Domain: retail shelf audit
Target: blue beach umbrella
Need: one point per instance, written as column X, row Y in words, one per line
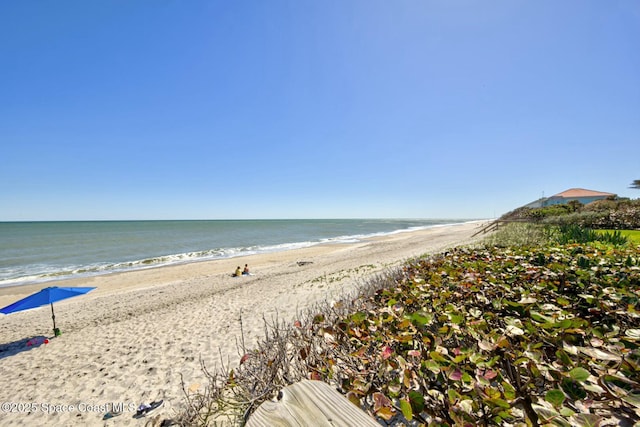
column 44, row 297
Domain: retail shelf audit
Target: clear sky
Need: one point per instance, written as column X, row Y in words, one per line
column 166, row 109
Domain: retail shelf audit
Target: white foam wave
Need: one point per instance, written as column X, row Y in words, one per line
column 45, row 273
column 39, row 274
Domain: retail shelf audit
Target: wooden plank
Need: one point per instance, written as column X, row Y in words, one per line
column 309, row 403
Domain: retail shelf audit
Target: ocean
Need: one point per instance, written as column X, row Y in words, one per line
column 33, row 252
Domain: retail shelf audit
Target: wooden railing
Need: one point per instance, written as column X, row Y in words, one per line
column 494, row 225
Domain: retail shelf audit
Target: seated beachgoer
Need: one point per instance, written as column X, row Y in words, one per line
column 238, row 272
column 245, row 272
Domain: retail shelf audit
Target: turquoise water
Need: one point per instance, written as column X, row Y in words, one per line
column 42, row 251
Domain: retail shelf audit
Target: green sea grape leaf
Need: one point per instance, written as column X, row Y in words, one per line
column 538, row 317
column 421, row 318
column 509, row 390
column 498, row 402
column 459, row 358
column 564, row 357
column 417, row 401
column 407, row 411
column 513, row 304
column 437, row 356
column 456, row 319
column 555, row 397
column 564, row 324
column 579, row 374
column 453, row 395
column 359, row 317
column 433, row 366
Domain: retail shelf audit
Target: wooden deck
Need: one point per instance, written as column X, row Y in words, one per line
column 310, row 403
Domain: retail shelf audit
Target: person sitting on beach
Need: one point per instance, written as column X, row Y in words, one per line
column 238, row 272
column 245, row 272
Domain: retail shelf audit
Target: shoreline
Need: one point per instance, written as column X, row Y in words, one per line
column 133, row 338
column 97, row 269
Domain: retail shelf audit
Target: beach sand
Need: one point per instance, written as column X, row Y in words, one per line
column 132, row 339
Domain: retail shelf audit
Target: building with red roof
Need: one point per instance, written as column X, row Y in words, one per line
column 579, row 194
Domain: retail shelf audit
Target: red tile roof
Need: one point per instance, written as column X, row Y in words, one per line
column 581, row 192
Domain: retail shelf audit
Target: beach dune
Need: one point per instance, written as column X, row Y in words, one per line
column 139, row 334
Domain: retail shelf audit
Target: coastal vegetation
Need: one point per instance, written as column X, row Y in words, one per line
column 538, row 325
column 615, row 214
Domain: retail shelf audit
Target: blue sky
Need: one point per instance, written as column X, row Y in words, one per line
column 313, row 109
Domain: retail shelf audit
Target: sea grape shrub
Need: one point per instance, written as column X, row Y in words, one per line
column 498, row 337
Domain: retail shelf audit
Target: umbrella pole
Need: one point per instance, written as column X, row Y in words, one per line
column 56, row 331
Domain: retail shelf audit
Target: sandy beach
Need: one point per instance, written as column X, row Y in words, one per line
column 131, row 340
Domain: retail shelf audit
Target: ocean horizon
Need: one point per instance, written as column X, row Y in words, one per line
column 43, row 251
